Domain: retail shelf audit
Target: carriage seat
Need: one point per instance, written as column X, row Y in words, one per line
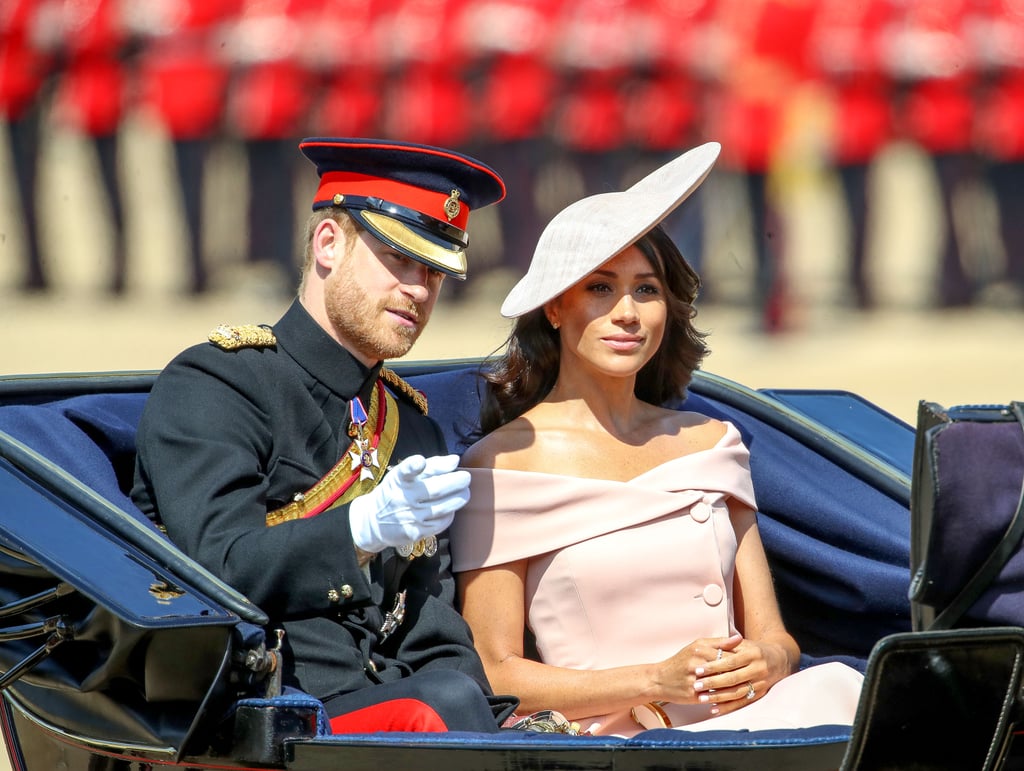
column 835, row 543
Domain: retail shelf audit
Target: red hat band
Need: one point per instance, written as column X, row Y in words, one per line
column 444, row 207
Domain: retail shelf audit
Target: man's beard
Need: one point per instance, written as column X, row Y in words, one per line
column 364, row 324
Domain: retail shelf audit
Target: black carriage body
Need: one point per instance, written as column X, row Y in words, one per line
column 120, row 652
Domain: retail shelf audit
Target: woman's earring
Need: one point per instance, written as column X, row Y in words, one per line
column 554, row 325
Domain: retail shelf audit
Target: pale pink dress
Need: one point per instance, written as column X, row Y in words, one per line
column 630, row 572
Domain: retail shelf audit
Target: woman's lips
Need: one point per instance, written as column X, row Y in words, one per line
column 623, row 342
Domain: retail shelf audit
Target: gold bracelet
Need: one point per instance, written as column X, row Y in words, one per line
column 659, row 715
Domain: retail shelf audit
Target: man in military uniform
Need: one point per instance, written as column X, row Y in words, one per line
column 289, row 462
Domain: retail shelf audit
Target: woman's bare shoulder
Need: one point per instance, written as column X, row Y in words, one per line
column 499, row 448
column 693, row 431
column 687, row 420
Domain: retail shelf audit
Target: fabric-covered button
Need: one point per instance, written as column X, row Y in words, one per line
column 713, row 594
column 700, row 511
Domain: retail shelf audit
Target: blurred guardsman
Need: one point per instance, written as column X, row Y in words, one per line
column 510, row 43
column 997, row 38
column 767, row 82
column 91, row 98
column 292, row 464
column 849, row 46
column 25, row 66
column 269, row 100
column 183, row 84
column 936, row 73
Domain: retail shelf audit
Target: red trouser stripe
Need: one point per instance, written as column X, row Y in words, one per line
column 394, row 715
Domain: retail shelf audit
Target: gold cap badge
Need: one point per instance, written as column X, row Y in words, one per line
column 452, row 207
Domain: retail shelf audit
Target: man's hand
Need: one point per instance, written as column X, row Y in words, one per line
column 417, row 498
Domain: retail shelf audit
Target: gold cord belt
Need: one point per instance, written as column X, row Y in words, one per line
column 347, row 479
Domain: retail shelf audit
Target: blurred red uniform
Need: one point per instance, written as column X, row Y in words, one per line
column 343, row 50
column 428, row 99
column 25, row 64
column 183, row 73
column 93, row 43
column 930, row 53
column 768, row 62
column 850, row 45
column 997, row 37
column 183, row 83
column 269, row 105
column 665, row 101
column 595, row 49
column 25, row 61
column 92, row 94
column 508, row 44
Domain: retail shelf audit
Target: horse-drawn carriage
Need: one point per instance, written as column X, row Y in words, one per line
column 117, row 651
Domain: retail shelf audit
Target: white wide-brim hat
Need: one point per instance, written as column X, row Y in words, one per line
column 588, row 233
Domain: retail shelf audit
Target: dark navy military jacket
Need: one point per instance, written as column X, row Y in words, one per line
column 228, row 436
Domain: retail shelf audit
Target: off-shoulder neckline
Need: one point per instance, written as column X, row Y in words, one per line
column 731, row 433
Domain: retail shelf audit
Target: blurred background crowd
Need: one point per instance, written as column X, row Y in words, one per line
column 563, row 98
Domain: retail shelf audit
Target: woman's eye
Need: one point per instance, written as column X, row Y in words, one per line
column 599, row 287
column 649, row 289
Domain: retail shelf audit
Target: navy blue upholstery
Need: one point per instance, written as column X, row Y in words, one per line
column 839, row 548
column 659, row 737
column 91, row 437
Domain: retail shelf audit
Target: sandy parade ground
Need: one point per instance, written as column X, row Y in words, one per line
column 895, row 355
column 893, row 358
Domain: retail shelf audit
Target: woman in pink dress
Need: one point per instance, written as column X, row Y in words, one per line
column 618, row 535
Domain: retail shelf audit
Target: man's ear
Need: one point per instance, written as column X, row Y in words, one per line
column 327, row 244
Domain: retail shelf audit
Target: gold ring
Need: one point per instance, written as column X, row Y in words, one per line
column 750, row 691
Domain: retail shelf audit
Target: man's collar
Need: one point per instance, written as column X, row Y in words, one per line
column 321, row 355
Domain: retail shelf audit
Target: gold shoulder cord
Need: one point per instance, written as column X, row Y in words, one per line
column 231, row 338
column 392, row 378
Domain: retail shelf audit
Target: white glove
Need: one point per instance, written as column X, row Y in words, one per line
column 416, row 499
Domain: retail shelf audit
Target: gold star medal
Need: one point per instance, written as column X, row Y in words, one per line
column 363, row 456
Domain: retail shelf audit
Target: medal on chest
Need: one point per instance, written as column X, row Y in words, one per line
column 364, row 457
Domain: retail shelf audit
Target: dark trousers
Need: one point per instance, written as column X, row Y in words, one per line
column 24, row 137
column 272, row 204
column 1007, row 180
column 854, row 179
column 190, row 159
column 106, row 153
column 521, row 220
column 769, row 287
column 955, row 284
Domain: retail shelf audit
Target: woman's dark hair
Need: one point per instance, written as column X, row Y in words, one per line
column 525, row 373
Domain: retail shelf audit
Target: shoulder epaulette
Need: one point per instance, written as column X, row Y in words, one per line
column 402, row 388
column 232, row 337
